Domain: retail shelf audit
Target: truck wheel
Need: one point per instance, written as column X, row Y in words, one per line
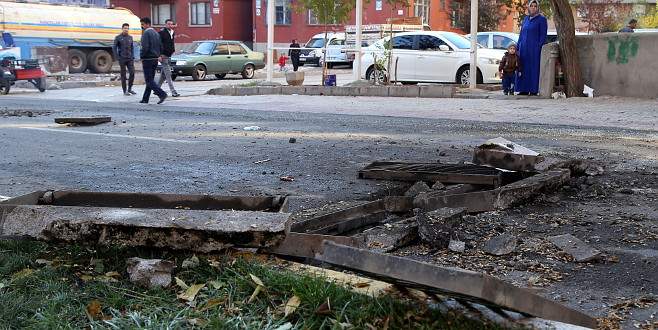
column 77, row 61
column 100, row 61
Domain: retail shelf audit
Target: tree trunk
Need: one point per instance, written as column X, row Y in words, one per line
column 563, row 17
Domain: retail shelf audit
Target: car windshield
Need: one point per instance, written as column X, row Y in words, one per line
column 315, row 43
column 202, row 48
column 457, row 40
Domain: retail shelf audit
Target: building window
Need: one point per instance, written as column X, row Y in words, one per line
column 422, row 10
column 313, row 19
column 162, row 12
column 200, row 13
column 283, row 11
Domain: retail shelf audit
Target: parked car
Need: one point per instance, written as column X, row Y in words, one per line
column 335, row 53
column 496, row 40
column 431, row 56
column 312, row 56
column 551, row 36
column 218, row 57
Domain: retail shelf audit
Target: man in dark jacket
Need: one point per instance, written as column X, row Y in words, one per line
column 294, row 54
column 168, row 48
column 123, row 52
column 150, row 53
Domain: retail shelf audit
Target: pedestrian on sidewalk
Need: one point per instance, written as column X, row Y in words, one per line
column 282, row 62
column 630, row 28
column 294, row 54
column 150, row 53
column 123, row 52
column 532, row 37
column 168, row 48
column 510, row 67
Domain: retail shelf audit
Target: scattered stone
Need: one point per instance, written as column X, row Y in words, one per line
column 579, row 250
column 438, row 186
column 287, row 178
column 190, row 263
column 292, row 140
column 457, row 246
column 150, row 273
column 418, row 188
column 442, row 154
column 436, row 228
column 502, row 153
column 391, row 236
column 594, row 171
column 501, row 245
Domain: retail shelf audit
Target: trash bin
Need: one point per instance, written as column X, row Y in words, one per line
column 330, row 80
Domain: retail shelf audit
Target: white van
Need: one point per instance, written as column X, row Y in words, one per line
column 335, row 45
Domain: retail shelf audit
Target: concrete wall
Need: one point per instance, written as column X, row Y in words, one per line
column 621, row 64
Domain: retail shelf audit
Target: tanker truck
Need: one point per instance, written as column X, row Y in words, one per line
column 82, row 34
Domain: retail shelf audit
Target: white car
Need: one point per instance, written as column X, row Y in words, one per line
column 496, row 40
column 431, row 56
column 335, row 41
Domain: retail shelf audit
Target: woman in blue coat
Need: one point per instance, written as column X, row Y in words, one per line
column 531, row 39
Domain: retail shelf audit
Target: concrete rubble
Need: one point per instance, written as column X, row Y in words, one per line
column 579, row 250
column 505, row 154
column 436, row 228
column 150, row 273
column 391, row 236
column 417, row 189
column 501, row 245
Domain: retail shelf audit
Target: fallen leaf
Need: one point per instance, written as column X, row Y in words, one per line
column 256, row 280
column 324, row 309
column 23, row 273
column 362, row 285
column 191, row 292
column 211, row 303
column 291, row 305
column 94, row 310
column 181, row 284
column 216, row 284
column 43, row 262
column 113, row 274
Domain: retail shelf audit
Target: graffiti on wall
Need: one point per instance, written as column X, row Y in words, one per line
column 621, row 48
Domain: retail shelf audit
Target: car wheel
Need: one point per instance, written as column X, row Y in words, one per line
column 4, row 89
column 248, row 71
column 199, row 72
column 464, row 74
column 220, row 76
column 376, row 76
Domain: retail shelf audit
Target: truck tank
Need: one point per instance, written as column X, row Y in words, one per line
column 86, row 33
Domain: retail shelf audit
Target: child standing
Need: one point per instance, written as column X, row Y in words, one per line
column 509, row 66
column 282, row 62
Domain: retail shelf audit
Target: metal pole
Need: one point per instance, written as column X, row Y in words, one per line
column 270, row 39
column 474, row 45
column 359, row 28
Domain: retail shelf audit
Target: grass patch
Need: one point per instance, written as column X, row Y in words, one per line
column 52, row 286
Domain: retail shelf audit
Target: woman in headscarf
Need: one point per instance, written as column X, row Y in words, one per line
column 531, row 39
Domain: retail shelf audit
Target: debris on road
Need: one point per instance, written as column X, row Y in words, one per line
column 457, row 246
column 287, row 178
column 579, row 250
column 83, row 121
column 343, row 220
column 505, row 154
column 436, row 228
column 501, row 245
column 438, row 186
column 150, row 273
column 433, row 172
column 262, row 161
column 252, row 128
column 391, row 236
column 418, row 188
column 292, row 140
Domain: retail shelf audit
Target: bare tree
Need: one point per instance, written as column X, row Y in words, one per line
column 490, row 13
column 602, row 15
column 566, row 33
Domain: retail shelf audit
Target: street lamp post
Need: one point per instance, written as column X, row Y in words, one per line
column 473, row 71
column 359, row 28
column 270, row 40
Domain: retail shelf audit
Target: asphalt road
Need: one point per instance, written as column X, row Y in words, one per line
column 199, row 145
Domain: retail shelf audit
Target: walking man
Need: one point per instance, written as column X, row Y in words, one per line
column 294, row 54
column 168, row 48
column 630, row 28
column 150, row 53
column 123, row 52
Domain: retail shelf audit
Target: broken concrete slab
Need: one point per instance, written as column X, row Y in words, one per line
column 307, row 245
column 150, row 273
column 501, row 245
column 438, row 186
column 579, row 250
column 505, row 154
column 202, row 230
column 391, row 236
column 344, row 220
column 432, row 172
column 418, row 188
column 437, row 227
column 83, row 121
column 449, row 281
column 496, row 199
